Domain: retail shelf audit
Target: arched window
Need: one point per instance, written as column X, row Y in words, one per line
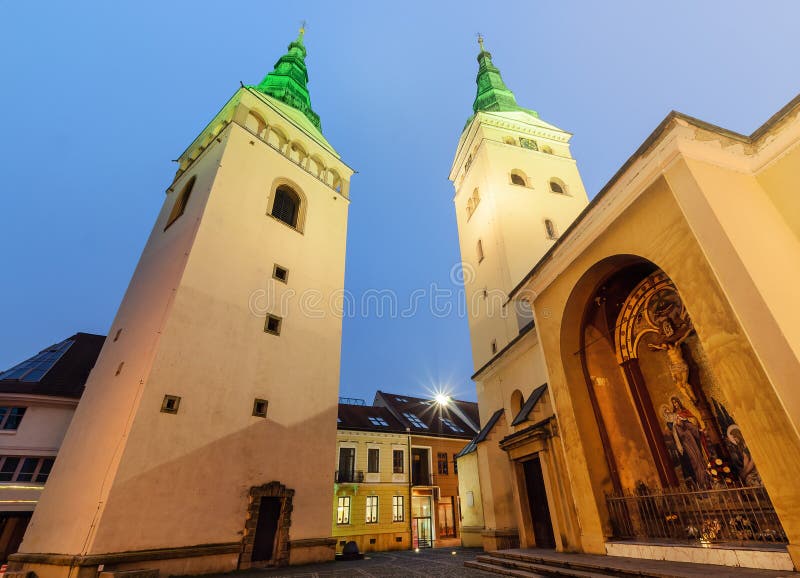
column 518, row 178
column 550, row 227
column 558, row 187
column 517, row 402
column 473, row 202
column 180, row 202
column 286, row 206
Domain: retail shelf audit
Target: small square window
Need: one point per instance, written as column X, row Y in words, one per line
column 398, row 539
column 273, row 325
column 170, row 404
column 372, row 540
column 280, row 273
column 260, row 407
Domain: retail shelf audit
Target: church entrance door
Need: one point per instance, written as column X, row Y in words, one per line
column 537, row 500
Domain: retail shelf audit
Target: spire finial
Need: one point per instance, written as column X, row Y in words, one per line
column 302, row 27
column 480, row 42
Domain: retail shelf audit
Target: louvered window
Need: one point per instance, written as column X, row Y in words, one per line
column 286, row 206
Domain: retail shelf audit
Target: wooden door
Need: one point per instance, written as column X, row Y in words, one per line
column 537, row 500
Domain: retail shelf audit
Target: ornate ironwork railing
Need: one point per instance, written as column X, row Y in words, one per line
column 733, row 514
column 349, row 477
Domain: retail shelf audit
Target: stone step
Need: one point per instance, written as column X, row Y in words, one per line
column 538, row 568
column 561, row 567
column 502, row 571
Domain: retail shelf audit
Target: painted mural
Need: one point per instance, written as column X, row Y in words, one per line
column 706, row 446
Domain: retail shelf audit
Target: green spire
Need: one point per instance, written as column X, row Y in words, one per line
column 493, row 94
column 287, row 82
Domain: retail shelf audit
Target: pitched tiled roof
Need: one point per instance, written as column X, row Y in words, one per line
column 357, row 417
column 536, row 395
column 425, row 416
column 482, row 435
column 59, row 370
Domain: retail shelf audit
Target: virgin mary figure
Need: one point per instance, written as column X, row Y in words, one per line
column 689, row 439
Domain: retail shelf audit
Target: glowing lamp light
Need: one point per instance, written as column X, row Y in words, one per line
column 416, row 550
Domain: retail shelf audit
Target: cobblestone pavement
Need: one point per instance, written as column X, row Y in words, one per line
column 439, row 562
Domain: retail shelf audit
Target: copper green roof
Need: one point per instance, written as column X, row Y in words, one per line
column 288, row 81
column 493, row 94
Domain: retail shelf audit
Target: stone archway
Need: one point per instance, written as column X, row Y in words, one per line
column 272, row 496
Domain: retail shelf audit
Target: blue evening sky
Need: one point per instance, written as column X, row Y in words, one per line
column 99, row 96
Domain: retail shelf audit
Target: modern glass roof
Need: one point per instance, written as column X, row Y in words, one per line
column 36, row 367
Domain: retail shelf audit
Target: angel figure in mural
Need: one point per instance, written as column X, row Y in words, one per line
column 741, row 460
column 689, row 438
column 674, row 327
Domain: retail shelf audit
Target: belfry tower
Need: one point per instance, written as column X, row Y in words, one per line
column 517, row 189
column 205, row 439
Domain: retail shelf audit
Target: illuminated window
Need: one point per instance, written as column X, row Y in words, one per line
column 398, row 509
column 180, row 202
column 372, row 510
column 415, row 421
column 343, row 510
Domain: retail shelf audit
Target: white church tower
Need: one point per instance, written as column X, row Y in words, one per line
column 205, row 438
column 517, row 189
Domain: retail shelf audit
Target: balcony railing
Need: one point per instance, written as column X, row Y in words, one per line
column 422, row 479
column 349, row 477
column 741, row 514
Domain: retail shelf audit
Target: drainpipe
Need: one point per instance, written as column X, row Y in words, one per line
column 410, row 514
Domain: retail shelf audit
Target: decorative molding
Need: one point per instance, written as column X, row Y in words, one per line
column 126, row 557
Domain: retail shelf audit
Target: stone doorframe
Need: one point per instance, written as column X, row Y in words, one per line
column 280, row 555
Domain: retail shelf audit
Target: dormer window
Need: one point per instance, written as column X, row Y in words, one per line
column 414, row 420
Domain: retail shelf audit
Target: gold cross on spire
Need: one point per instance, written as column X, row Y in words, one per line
column 480, row 42
column 302, row 27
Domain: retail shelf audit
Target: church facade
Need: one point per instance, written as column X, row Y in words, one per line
column 647, row 393
column 189, row 452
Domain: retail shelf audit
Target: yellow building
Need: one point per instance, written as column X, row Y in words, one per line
column 661, row 353
column 189, row 452
column 397, row 478
column 372, row 490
